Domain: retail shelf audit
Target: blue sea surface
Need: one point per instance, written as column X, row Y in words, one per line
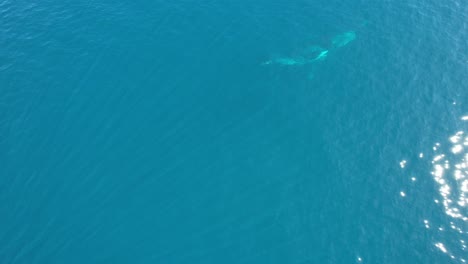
column 280, row 131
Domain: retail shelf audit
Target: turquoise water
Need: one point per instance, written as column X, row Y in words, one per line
column 233, row 131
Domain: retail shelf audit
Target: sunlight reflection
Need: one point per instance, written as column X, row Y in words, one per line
column 452, row 180
column 449, row 172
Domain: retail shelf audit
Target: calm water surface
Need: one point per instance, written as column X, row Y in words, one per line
column 302, row 131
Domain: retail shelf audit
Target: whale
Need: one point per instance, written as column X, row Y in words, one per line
column 343, row 39
column 314, row 53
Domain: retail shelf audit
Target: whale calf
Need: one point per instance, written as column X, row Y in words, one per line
column 343, row 39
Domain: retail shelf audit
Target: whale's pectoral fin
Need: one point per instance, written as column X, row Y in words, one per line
column 322, row 55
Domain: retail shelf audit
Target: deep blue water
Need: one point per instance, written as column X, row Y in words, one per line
column 233, row 131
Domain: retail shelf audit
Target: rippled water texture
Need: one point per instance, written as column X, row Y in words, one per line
column 233, row 131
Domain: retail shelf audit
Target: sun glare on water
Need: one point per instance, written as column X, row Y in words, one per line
column 449, row 172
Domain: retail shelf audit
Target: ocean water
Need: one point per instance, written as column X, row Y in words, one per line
column 301, row 131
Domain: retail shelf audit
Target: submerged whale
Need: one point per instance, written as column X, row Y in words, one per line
column 314, row 53
column 343, row 39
